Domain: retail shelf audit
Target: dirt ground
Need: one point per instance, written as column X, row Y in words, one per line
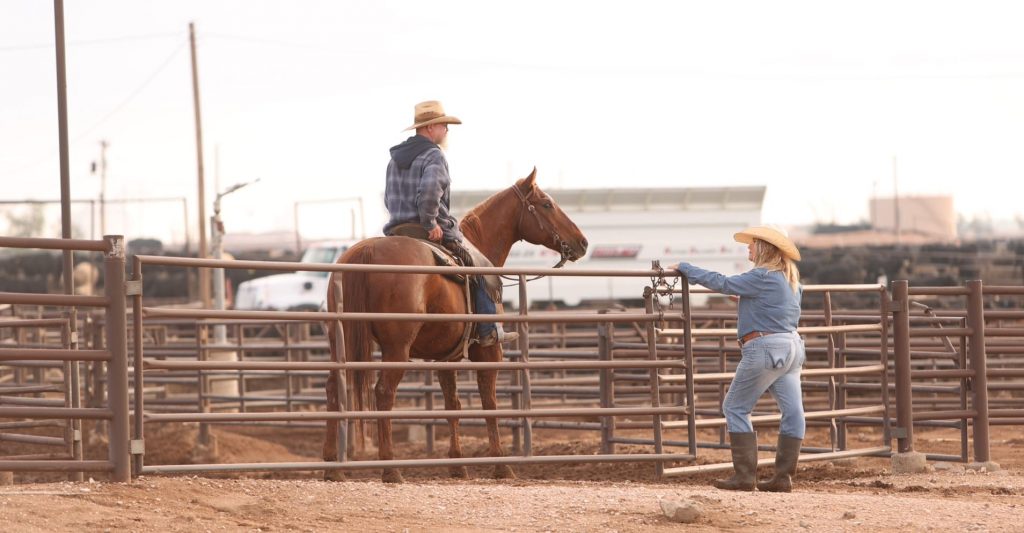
column 856, row 494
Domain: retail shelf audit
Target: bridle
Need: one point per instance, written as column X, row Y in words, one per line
column 528, row 207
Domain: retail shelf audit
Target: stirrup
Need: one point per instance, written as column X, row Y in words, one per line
column 497, row 336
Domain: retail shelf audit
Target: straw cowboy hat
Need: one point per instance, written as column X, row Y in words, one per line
column 773, row 235
column 430, row 112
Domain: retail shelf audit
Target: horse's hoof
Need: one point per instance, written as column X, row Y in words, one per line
column 334, row 475
column 392, row 476
column 458, row 472
column 504, row 472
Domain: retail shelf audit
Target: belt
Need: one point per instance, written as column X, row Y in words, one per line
column 751, row 336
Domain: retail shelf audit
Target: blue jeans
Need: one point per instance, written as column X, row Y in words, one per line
column 769, row 363
column 484, row 306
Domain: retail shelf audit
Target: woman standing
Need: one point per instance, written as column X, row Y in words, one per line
column 772, row 353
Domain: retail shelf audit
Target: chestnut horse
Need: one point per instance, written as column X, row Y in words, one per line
column 521, row 212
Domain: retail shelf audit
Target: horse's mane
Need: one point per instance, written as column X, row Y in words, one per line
column 470, row 223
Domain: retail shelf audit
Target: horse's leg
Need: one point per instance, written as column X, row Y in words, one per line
column 386, row 388
column 487, row 380
column 451, row 403
column 331, row 437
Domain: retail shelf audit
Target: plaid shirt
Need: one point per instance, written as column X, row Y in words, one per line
column 421, row 194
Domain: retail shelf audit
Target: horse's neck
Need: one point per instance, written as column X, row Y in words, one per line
column 491, row 227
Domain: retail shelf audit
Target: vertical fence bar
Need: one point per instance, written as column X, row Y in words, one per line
column 652, row 351
column 606, row 385
column 76, row 393
column 344, row 426
column 901, row 350
column 290, row 357
column 428, row 404
column 883, row 314
column 976, row 321
column 723, row 364
column 117, row 341
column 138, row 434
column 964, row 387
column 830, row 344
column 67, row 339
column 524, row 350
column 203, row 383
column 691, row 402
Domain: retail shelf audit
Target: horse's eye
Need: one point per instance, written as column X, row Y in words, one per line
column 547, row 205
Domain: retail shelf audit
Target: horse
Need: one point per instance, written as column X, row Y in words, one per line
column 521, row 212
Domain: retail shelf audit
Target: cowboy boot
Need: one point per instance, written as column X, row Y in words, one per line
column 497, row 336
column 785, row 465
column 744, row 462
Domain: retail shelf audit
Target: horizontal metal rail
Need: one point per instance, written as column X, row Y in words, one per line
column 52, row 354
column 411, row 365
column 807, row 330
column 770, row 419
column 54, row 244
column 32, row 322
column 53, row 299
column 56, row 466
column 87, row 413
column 293, row 266
column 863, row 287
column 403, row 317
column 418, row 463
column 723, row 376
column 32, row 439
column 31, row 389
column 412, row 415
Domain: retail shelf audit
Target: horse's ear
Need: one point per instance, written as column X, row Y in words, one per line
column 527, row 183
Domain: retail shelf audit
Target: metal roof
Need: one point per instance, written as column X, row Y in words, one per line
column 630, row 199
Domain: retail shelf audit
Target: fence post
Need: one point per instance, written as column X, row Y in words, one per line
column 117, row 372
column 606, row 385
column 976, row 347
column 524, row 356
column 652, row 350
column 906, row 460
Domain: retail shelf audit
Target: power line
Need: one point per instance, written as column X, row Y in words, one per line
column 112, row 112
column 133, row 94
column 88, row 42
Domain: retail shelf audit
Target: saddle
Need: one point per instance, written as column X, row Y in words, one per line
column 447, row 257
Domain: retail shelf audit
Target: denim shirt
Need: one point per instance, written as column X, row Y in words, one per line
column 767, row 302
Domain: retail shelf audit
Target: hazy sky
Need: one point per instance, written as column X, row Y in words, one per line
column 813, row 99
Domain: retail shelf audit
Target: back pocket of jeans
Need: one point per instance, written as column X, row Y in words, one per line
column 776, row 356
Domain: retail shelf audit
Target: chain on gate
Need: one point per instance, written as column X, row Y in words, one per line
column 659, row 284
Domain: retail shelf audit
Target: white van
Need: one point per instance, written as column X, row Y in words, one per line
column 295, row 291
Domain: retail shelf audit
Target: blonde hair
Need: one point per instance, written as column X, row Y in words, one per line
column 767, row 255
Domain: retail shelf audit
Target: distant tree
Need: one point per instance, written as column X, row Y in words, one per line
column 27, row 224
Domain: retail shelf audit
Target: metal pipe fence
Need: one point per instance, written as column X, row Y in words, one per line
column 658, row 370
column 67, row 359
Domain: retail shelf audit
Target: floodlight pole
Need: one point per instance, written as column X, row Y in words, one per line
column 217, row 243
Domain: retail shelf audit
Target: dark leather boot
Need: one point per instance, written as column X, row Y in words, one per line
column 744, row 462
column 785, row 465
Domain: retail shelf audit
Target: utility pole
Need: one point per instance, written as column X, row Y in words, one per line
column 896, row 199
column 62, row 136
column 103, row 185
column 204, row 273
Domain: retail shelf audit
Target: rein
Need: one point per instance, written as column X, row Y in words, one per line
column 562, row 245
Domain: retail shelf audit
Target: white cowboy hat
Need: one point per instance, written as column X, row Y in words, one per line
column 430, row 112
column 771, row 234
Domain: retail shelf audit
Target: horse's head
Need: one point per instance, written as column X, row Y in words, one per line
column 542, row 222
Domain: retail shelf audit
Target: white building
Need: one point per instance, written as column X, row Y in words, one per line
column 629, row 228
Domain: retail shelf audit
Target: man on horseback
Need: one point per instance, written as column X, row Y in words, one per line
column 418, row 198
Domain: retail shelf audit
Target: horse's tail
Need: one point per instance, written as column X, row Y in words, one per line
column 358, row 341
